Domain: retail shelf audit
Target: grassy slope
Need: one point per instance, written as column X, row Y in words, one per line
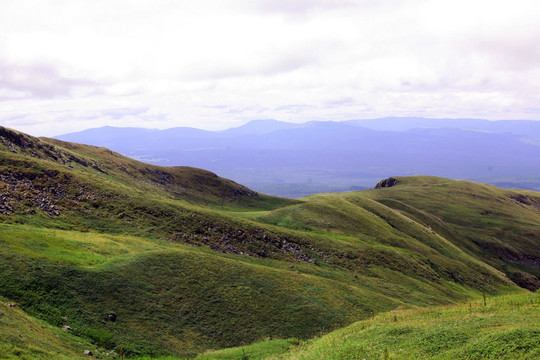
column 170, row 296
column 117, row 244
column 433, row 216
column 500, row 227
column 508, row 327
column 23, row 337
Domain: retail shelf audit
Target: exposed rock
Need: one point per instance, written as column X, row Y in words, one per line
column 12, row 305
column 386, row 183
column 250, row 242
column 23, row 191
column 67, row 328
column 111, row 317
column 13, row 138
column 525, row 200
column 522, row 199
column 520, row 259
column 87, row 352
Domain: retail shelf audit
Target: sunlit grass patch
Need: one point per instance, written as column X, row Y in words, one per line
column 507, row 327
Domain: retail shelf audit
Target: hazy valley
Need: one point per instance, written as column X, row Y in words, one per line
column 295, row 160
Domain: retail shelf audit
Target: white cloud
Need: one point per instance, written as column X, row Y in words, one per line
column 216, row 64
column 40, row 81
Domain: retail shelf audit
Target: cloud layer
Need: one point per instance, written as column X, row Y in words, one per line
column 69, row 65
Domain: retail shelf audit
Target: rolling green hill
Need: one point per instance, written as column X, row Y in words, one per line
column 496, row 226
column 187, row 261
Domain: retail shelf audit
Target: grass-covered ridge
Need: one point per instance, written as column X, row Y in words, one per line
column 498, row 226
column 188, row 261
column 457, row 219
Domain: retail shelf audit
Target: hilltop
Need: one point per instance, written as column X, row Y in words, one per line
column 187, row 261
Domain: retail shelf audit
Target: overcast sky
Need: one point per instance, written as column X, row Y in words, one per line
column 68, row 65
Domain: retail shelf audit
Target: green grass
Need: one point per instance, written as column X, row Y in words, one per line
column 190, row 261
column 24, row 337
column 260, row 350
column 508, row 327
column 195, row 298
column 176, row 298
column 78, row 248
column 497, row 226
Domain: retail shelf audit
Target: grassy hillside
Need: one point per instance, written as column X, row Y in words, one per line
column 187, row 261
column 169, row 296
column 498, row 226
column 507, row 327
column 432, row 216
column 24, row 337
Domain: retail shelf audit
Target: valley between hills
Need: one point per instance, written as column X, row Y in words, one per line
column 141, row 261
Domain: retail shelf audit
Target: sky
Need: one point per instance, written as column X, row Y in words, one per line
column 69, row 65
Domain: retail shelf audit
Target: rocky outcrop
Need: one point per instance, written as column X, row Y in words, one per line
column 29, row 192
column 525, row 200
column 248, row 241
column 14, row 140
column 386, row 183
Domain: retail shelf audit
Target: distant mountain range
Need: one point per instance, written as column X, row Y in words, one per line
column 287, row 159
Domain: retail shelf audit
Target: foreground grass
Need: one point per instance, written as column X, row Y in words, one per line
column 23, row 337
column 507, row 327
column 259, row 350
